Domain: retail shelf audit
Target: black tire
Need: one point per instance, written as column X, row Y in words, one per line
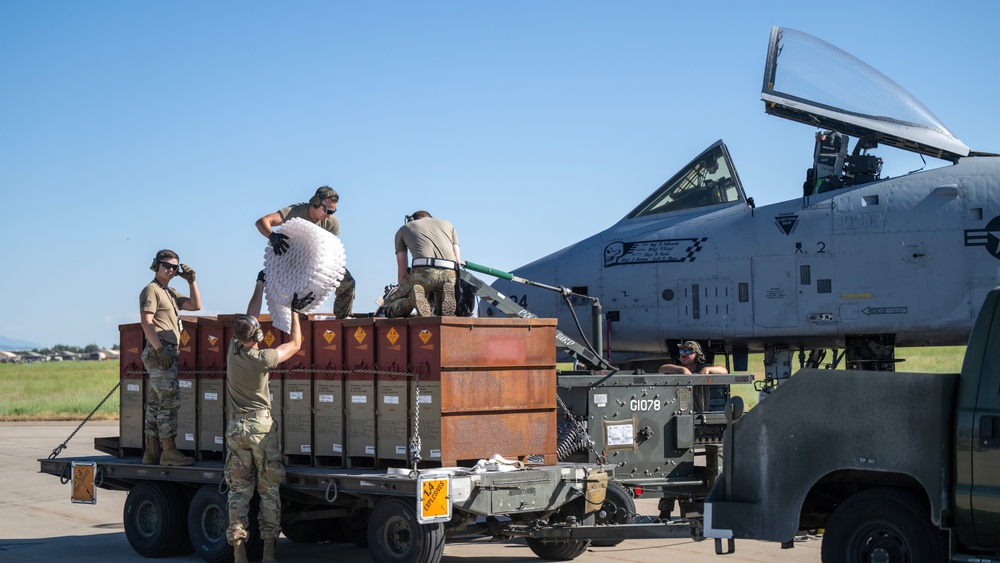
column 618, row 508
column 565, row 550
column 154, row 519
column 207, row 521
column 885, row 524
column 331, row 530
column 395, row 535
column 355, row 527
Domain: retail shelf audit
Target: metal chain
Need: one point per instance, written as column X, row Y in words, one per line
column 62, row 446
column 415, row 444
column 601, row 459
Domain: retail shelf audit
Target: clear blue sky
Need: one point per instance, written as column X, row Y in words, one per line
column 126, row 127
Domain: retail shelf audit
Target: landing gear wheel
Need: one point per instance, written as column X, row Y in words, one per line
column 564, row 550
column 154, row 519
column 618, row 508
column 207, row 521
column 395, row 535
column 886, row 524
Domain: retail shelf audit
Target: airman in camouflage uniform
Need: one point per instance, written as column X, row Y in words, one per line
column 429, row 285
column 253, row 460
column 159, row 315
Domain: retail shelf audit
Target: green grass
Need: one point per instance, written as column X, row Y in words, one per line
column 930, row 359
column 70, row 390
column 58, row 390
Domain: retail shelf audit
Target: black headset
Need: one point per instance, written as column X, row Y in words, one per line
column 257, row 334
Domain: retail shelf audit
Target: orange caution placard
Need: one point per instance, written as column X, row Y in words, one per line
column 84, row 479
column 435, row 498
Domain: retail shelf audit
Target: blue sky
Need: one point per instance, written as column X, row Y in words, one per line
column 126, row 127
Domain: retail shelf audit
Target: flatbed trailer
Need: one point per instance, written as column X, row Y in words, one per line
column 399, row 514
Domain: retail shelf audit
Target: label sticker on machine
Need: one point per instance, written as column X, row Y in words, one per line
column 84, row 482
column 620, row 434
column 601, row 399
column 434, row 501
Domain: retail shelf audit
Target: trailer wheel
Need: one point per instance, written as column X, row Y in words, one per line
column 207, row 521
column 154, row 519
column 618, row 508
column 564, row 550
column 395, row 535
column 885, row 524
column 333, row 530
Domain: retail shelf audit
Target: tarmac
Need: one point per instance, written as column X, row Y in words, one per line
column 39, row 523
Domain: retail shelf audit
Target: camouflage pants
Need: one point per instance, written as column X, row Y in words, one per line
column 162, row 397
column 431, row 279
column 253, row 462
column 343, row 300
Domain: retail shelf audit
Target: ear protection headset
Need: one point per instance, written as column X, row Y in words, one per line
column 257, row 334
column 156, row 259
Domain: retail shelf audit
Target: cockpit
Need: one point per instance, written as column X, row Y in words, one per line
column 707, row 180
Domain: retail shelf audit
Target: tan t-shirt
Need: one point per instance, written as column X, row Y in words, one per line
column 428, row 238
column 301, row 211
column 165, row 303
column 247, row 375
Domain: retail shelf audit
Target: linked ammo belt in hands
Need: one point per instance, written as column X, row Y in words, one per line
column 435, row 263
column 263, row 413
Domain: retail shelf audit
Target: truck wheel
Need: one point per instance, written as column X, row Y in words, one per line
column 885, row 524
column 154, row 519
column 395, row 535
column 564, row 550
column 618, row 508
column 207, row 521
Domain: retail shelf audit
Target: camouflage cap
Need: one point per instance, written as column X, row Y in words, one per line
column 326, row 192
column 692, row 345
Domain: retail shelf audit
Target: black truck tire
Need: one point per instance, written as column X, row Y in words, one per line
column 394, row 534
column 618, row 508
column 207, row 521
column 154, row 519
column 564, row 550
column 884, row 524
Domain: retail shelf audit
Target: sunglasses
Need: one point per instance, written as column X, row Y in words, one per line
column 168, row 266
column 328, row 210
column 686, row 351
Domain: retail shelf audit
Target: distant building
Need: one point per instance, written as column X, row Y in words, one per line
column 9, row 357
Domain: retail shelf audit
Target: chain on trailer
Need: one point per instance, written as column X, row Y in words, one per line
column 64, row 445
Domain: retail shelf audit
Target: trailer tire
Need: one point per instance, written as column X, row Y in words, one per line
column 884, row 524
column 154, row 519
column 394, row 534
column 207, row 521
column 331, row 530
column 618, row 508
column 564, row 550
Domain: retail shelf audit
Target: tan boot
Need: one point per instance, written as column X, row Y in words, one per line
column 239, row 552
column 448, row 299
column 171, row 456
column 422, row 305
column 152, row 454
column 269, row 551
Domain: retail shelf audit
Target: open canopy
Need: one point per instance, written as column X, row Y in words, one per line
column 809, row 80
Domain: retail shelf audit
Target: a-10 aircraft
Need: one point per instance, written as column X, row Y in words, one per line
column 859, row 263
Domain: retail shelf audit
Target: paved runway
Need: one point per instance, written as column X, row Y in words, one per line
column 39, row 524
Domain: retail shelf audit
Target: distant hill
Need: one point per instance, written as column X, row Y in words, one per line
column 14, row 344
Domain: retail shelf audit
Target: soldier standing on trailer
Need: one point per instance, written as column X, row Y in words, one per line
column 318, row 210
column 159, row 315
column 253, row 460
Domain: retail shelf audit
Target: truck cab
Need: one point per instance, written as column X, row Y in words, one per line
column 893, row 466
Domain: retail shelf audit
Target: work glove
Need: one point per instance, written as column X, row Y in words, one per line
column 299, row 303
column 162, row 359
column 260, row 276
column 186, row 272
column 279, row 243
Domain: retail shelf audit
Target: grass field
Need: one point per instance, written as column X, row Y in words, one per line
column 70, row 390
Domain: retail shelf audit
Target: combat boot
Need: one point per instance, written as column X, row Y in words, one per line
column 171, row 456
column 152, row 454
column 448, row 299
column 239, row 552
column 269, row 551
column 422, row 305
